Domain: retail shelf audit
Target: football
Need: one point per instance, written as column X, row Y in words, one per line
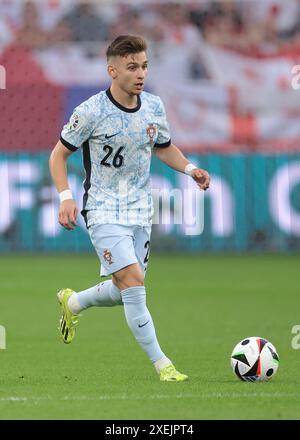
column 254, row 359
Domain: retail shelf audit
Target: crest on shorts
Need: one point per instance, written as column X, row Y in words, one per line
column 108, row 256
column 73, row 122
column 151, row 130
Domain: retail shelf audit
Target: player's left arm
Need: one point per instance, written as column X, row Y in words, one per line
column 174, row 158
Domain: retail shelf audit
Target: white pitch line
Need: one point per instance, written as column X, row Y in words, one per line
column 153, row 397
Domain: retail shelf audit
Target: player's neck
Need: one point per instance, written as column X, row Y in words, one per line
column 123, row 98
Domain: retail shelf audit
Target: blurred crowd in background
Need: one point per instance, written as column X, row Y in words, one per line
column 224, row 72
column 249, row 26
column 230, row 59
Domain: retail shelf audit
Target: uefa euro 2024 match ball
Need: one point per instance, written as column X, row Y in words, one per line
column 254, row 359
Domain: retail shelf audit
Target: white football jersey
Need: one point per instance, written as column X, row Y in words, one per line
column 117, row 144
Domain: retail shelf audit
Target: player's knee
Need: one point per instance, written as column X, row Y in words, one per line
column 136, row 282
column 131, row 276
column 129, row 280
column 132, row 282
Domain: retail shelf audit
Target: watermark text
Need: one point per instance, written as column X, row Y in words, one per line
column 296, row 339
column 2, row 338
column 2, row 78
column 296, row 77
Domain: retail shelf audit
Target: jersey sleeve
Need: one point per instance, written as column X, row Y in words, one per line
column 78, row 129
column 163, row 138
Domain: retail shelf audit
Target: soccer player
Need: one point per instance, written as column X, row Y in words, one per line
column 118, row 130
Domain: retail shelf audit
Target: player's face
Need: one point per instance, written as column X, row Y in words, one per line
column 129, row 73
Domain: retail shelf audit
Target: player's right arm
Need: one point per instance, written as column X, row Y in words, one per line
column 73, row 135
column 68, row 210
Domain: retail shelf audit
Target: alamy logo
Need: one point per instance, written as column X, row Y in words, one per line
column 2, row 337
column 2, row 78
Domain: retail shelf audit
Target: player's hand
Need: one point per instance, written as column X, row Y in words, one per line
column 67, row 215
column 201, row 177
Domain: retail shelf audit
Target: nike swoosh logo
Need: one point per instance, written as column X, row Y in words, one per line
column 143, row 325
column 112, row 135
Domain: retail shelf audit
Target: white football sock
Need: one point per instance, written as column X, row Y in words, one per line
column 140, row 322
column 104, row 294
column 162, row 363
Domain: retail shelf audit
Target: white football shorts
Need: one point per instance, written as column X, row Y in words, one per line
column 119, row 246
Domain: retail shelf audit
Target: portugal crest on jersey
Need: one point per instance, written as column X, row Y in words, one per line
column 108, row 256
column 151, row 130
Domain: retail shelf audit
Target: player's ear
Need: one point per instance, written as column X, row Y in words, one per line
column 112, row 71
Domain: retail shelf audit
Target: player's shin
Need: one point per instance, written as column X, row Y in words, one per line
column 140, row 322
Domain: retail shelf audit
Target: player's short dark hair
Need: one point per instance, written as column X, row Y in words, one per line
column 125, row 45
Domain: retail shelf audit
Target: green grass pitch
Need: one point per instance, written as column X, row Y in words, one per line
column 201, row 306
